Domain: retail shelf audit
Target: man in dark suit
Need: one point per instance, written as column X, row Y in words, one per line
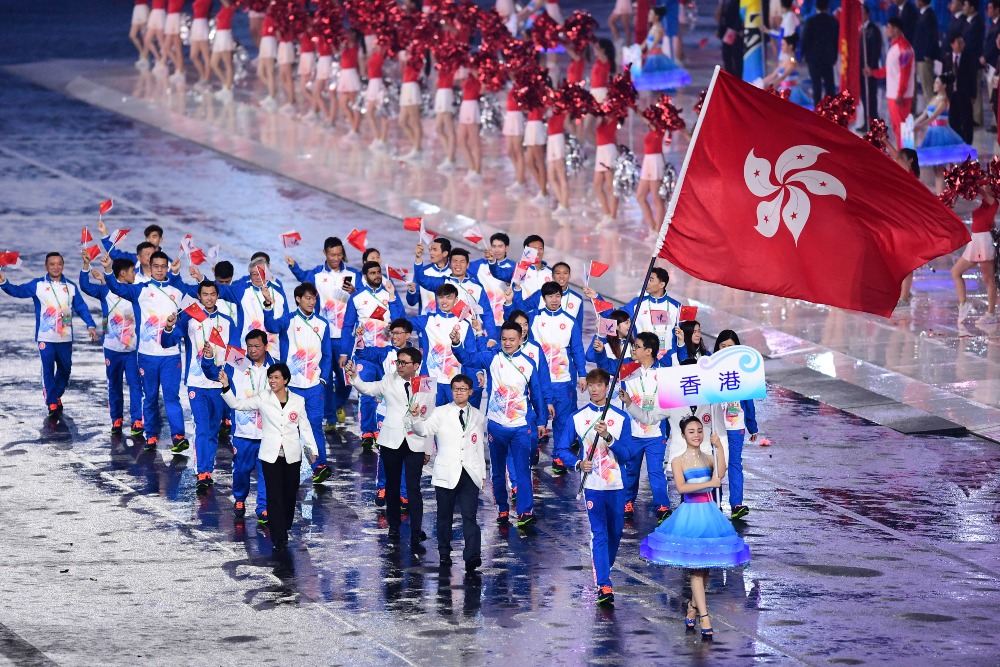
column 963, row 69
column 991, row 55
column 907, row 13
column 926, row 49
column 731, row 34
column 819, row 49
column 975, row 35
column 871, row 58
column 957, row 25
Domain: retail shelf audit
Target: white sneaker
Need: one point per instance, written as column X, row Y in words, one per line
column 986, row 320
column 160, row 68
column 473, row 178
column 309, row 117
column 288, row 109
column 964, row 310
column 351, row 136
column 414, row 154
column 605, row 222
column 269, row 104
column 561, row 212
column 177, row 77
column 142, row 65
column 377, row 146
column 540, row 200
column 446, row 165
column 515, row 189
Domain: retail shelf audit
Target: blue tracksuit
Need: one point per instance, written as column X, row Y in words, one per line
column 433, row 332
column 55, row 303
column 470, row 290
column 115, row 253
column 121, row 360
column 736, row 439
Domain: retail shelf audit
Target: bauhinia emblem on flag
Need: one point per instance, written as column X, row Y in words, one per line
column 800, row 207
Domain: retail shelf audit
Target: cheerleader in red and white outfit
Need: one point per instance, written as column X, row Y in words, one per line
column 256, row 26
column 199, row 48
column 172, row 34
column 349, row 81
column 650, row 178
column 555, row 160
column 374, row 96
column 574, row 74
column 409, row 102
column 286, row 63
column 980, row 251
column 535, row 141
column 154, row 40
column 468, row 126
column 604, row 167
column 444, row 119
column 136, row 33
column 604, row 63
column 222, row 50
column 307, row 62
column 321, row 85
column 513, row 132
column 265, row 65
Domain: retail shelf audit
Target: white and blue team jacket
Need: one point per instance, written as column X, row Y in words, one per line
column 117, row 313
column 249, row 305
column 643, row 320
column 608, row 472
column 360, row 307
column 195, row 335
column 428, row 300
column 152, row 303
column 470, row 291
column 535, row 277
column 496, row 289
column 305, row 346
column 559, row 337
column 514, row 385
column 332, row 302
column 55, row 303
column 435, row 341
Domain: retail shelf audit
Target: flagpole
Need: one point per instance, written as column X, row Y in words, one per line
column 660, row 239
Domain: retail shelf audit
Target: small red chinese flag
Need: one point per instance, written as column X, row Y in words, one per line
column 357, row 238
column 196, row 312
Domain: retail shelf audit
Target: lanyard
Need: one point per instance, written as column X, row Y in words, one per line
column 55, row 294
column 510, row 360
column 253, row 385
column 298, row 313
column 201, row 325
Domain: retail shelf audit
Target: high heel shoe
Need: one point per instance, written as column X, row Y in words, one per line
column 706, row 633
column 689, row 622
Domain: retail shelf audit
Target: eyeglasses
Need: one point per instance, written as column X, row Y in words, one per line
column 464, row 390
column 400, row 333
column 400, row 362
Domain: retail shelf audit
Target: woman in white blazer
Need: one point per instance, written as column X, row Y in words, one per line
column 287, row 435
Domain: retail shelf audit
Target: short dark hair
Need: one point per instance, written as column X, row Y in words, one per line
column 444, row 243
column 514, row 314
column 822, row 5
column 447, row 289
column 500, row 236
column 464, row 379
column 460, row 252
column 533, row 238
column 724, row 335
column 153, row 229
column 599, row 375
column 305, row 288
column 894, row 21
column 282, row 368
column 954, row 38
column 368, row 253
column 159, row 254
column 511, row 325
column 551, row 288
column 224, row 270
column 260, row 254
column 974, row 3
column 368, row 266
column 995, row 4
column 661, row 274
column 562, row 264
column 413, row 353
column 254, row 334
column 142, row 246
column 332, row 242
column 650, row 341
column 52, row 254
column 120, row 266
column 402, row 323
column 205, row 284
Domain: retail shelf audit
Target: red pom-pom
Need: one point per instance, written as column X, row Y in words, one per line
column 491, row 71
column 328, row 22
column 993, row 176
column 621, row 96
column 580, row 30
column 963, row 181
column 518, row 55
column 290, row 18
column 532, row 88
column 663, row 115
column 253, row 5
column 449, row 54
column 839, row 108
column 545, row 33
column 877, row 135
column 575, row 100
column 495, row 36
column 700, row 103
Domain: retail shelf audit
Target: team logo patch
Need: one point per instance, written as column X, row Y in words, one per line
column 474, row 438
column 142, row 371
column 107, row 362
column 562, row 326
column 423, row 410
column 490, row 438
column 41, row 346
column 293, row 416
column 707, row 418
column 191, row 394
column 590, row 504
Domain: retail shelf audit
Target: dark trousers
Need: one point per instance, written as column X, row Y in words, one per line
column 822, row 81
column 732, row 58
column 466, row 495
column 869, row 97
column 960, row 117
column 395, row 460
column 281, row 479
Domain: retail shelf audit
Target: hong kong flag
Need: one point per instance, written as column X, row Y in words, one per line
column 798, row 206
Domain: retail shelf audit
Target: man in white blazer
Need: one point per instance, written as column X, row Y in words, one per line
column 459, row 468
column 398, row 445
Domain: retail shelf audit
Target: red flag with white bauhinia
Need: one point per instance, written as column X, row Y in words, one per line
column 398, row 274
column 798, row 206
column 215, row 338
column 118, row 236
column 197, row 256
column 291, row 239
column 473, row 235
column 461, row 310
column 357, row 239
column 196, row 312
column 237, row 358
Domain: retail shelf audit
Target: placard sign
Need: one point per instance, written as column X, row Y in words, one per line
column 732, row 374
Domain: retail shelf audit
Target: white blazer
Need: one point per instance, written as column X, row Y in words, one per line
column 286, row 427
column 397, row 422
column 456, row 449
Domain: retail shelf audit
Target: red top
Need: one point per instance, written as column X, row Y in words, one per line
column 224, row 19
column 536, row 114
column 306, row 44
column 175, row 6
column 653, row 143
column 471, row 88
column 599, row 74
column 201, row 9
column 411, row 71
column 267, row 27
column 159, row 4
column 983, row 217
column 375, row 62
column 511, row 102
column 349, row 58
column 446, row 79
column 557, row 123
column 141, row 2
column 574, row 73
column 607, row 132
column 323, row 48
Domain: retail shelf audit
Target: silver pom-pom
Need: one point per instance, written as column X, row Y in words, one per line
column 626, row 173
column 490, row 116
column 186, row 21
column 426, row 102
column 668, row 183
column 389, row 108
column 576, row 156
column 358, row 103
column 241, row 64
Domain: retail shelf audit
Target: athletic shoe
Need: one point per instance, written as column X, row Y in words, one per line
column 472, row 178
column 180, row 444
column 225, row 428
column 137, row 429
column 341, row 416
column 513, row 493
column 269, row 104
column 204, row 481
column 986, row 320
column 558, row 468
column 540, row 199
column 53, row 410
column 116, row 427
column 561, row 212
column 176, row 77
column 515, row 189
column 605, row 596
column 740, row 511
column 329, row 427
column 963, row 310
column 446, row 165
column 151, row 444
column 380, row 498
column 417, row 549
column 472, row 564
column 404, row 504
column 662, row 513
column 262, row 519
column 526, row 519
column 629, row 510
column 321, row 474
column 368, row 442
column 287, row 109
column 503, row 518
column 240, row 509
